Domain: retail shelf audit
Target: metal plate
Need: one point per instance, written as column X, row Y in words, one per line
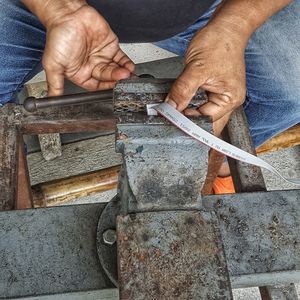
column 171, row 255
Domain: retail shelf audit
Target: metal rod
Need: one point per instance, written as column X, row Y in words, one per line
column 32, row 104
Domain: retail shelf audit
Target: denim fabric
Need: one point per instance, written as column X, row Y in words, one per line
column 22, row 40
column 273, row 71
column 272, row 59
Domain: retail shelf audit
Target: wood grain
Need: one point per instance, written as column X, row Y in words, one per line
column 77, row 158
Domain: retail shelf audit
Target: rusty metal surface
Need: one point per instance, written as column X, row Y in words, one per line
column 24, row 195
column 163, row 168
column 51, row 250
column 133, row 95
column 77, row 118
column 279, row 292
column 171, row 255
column 247, row 178
column 260, row 231
column 215, row 160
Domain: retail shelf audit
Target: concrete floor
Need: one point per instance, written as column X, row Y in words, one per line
column 288, row 161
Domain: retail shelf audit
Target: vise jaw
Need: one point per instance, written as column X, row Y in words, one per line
column 163, row 168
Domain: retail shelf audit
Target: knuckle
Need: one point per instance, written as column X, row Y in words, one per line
column 181, row 89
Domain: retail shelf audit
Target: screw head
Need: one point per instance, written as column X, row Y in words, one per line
column 109, row 237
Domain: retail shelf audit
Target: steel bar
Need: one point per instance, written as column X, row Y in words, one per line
column 279, row 292
column 49, row 251
column 79, row 118
column 265, row 279
column 24, row 195
column 178, row 254
column 247, row 178
column 107, row 294
column 215, row 161
column 53, row 250
column 32, row 104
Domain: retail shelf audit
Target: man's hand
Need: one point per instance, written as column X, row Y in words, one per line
column 215, row 59
column 214, row 62
column 81, row 47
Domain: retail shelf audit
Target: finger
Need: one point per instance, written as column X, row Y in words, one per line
column 107, row 85
column 184, row 88
column 191, row 112
column 219, row 125
column 55, row 82
column 124, row 61
column 110, row 72
column 93, row 84
column 218, row 105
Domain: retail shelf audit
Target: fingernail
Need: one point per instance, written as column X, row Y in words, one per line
column 171, row 102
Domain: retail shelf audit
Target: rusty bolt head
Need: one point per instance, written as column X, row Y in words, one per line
column 109, row 237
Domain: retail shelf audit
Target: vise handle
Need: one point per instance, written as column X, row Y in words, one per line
column 32, row 104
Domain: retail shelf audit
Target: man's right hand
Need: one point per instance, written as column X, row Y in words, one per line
column 81, row 47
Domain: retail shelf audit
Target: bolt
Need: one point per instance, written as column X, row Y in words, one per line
column 109, row 237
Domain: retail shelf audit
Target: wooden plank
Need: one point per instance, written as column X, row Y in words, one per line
column 50, row 145
column 78, row 158
column 286, row 139
column 8, row 158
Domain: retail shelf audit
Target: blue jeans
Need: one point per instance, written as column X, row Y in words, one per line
column 272, row 58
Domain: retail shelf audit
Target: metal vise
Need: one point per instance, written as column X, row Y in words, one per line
column 164, row 237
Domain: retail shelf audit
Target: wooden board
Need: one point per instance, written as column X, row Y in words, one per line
column 77, row 158
column 286, row 139
column 8, row 159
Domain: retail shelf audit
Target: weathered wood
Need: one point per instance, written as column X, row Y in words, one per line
column 24, row 195
column 50, row 145
column 8, row 158
column 61, row 191
column 286, row 139
column 78, row 158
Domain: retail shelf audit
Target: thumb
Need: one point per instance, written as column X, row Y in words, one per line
column 184, row 88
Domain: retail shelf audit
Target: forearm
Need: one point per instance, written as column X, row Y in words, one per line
column 50, row 10
column 243, row 17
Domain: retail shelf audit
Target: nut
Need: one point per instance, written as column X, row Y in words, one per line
column 109, row 237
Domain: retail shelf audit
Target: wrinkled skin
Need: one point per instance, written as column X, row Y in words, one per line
column 82, row 48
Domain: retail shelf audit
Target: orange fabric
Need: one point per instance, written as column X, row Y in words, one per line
column 223, row 185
